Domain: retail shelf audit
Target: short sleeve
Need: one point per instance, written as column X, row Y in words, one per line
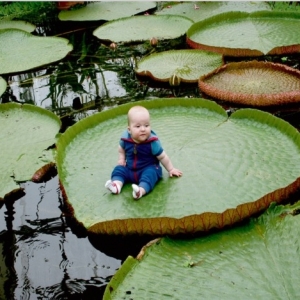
column 121, row 143
column 156, row 148
column 124, row 135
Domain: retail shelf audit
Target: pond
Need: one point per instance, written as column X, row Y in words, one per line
column 45, row 255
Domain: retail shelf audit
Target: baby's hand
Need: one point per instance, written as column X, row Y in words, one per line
column 122, row 162
column 175, row 172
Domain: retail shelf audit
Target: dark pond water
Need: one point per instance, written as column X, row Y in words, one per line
column 44, row 254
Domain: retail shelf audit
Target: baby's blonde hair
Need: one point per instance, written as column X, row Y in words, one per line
column 134, row 110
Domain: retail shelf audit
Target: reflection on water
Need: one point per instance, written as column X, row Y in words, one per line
column 41, row 257
column 36, row 88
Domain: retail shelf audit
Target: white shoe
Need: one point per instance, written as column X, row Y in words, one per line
column 112, row 187
column 136, row 192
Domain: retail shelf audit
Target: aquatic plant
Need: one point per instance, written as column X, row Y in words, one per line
column 253, row 83
column 200, row 10
column 247, row 262
column 235, row 168
column 20, row 50
column 106, row 10
column 28, row 131
column 29, row 11
column 142, row 28
column 187, row 65
column 247, row 34
column 22, row 25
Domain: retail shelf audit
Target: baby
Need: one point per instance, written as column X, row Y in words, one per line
column 140, row 154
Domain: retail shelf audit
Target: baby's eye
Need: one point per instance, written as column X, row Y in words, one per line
column 137, row 126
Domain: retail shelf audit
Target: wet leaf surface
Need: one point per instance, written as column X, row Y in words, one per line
column 258, row 260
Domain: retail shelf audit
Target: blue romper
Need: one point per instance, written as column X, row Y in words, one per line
column 142, row 166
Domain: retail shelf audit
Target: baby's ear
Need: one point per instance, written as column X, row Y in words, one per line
column 128, row 128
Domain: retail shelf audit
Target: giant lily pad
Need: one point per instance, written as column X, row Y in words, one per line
column 141, row 28
column 20, row 51
column 26, row 132
column 106, row 10
column 256, row 261
column 22, row 25
column 247, row 34
column 187, row 65
column 253, row 83
column 232, row 168
column 200, row 10
column 3, row 85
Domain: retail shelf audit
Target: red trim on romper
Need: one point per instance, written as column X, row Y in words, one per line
column 154, row 138
column 134, row 164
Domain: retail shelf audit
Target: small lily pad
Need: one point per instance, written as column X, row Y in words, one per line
column 3, row 85
column 141, row 28
column 20, row 50
column 187, row 65
column 22, row 25
column 107, row 11
column 253, row 83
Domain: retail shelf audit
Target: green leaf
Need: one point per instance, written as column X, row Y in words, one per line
column 188, row 65
column 232, row 168
column 247, row 34
column 256, row 261
column 22, row 25
column 106, row 11
column 253, row 83
column 26, row 132
column 3, row 85
column 141, row 28
column 20, row 51
column 285, row 6
column 200, row 10
column 31, row 11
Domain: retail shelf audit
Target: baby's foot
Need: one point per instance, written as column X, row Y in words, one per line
column 136, row 192
column 112, row 187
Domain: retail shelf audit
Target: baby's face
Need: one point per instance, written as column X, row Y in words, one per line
column 139, row 127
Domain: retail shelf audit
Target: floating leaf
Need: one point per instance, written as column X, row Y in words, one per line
column 141, row 28
column 106, row 11
column 20, row 51
column 256, row 261
column 253, row 83
column 22, row 25
column 26, row 132
column 232, row 168
column 200, row 10
column 3, row 85
column 247, row 34
column 188, row 65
